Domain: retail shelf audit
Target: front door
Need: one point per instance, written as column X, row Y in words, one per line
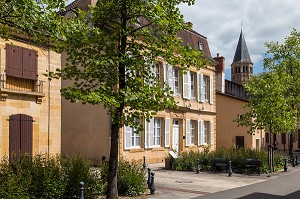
column 175, row 142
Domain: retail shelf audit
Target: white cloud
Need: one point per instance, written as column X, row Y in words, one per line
column 263, row 21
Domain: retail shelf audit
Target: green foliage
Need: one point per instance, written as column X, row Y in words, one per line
column 47, row 177
column 30, row 18
column 274, row 95
column 187, row 160
column 76, row 169
column 131, row 178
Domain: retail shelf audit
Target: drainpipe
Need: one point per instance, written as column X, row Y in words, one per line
column 48, row 100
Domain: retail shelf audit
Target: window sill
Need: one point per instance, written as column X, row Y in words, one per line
column 135, row 150
column 4, row 94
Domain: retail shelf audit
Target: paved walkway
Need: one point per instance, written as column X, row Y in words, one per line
column 178, row 184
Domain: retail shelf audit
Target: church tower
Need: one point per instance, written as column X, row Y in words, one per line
column 242, row 66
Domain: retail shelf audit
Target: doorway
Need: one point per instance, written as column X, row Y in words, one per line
column 20, row 135
column 175, row 140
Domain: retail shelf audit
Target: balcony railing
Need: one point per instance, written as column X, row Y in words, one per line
column 21, row 85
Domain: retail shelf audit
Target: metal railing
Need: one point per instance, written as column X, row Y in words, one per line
column 21, row 84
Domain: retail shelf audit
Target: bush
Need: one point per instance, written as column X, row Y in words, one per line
column 130, row 178
column 187, row 161
column 76, row 169
column 47, row 177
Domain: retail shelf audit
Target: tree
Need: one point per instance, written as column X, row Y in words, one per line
column 112, row 62
column 284, row 59
column 268, row 108
column 274, row 94
column 30, row 18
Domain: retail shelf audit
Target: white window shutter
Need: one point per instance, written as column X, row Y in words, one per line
column 127, row 137
column 211, row 93
column 212, row 130
column 151, row 132
column 200, row 87
column 167, row 132
column 199, row 132
column 186, row 85
column 146, row 134
column 188, row 132
column 165, row 68
column 202, row 132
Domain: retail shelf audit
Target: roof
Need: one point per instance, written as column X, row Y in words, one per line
column 193, row 38
column 190, row 37
column 71, row 6
column 235, row 90
column 241, row 53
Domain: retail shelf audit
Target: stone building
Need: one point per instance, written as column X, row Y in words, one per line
column 30, row 104
column 86, row 128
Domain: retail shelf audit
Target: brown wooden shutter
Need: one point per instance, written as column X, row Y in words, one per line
column 26, row 134
column 20, row 135
column 14, row 135
column 13, row 61
column 29, row 64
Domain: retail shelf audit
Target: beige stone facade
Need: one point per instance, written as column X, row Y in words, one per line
column 39, row 99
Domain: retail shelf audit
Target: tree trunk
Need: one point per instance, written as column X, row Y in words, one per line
column 112, row 188
column 291, row 144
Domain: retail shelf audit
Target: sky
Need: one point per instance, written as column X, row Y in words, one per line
column 263, row 21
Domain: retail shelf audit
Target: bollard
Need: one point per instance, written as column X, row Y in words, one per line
column 296, row 159
column 144, row 164
column 81, row 188
column 198, row 166
column 149, row 178
column 229, row 169
column 293, row 161
column 152, row 185
column 285, row 165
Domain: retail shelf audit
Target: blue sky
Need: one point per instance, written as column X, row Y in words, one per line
column 263, row 21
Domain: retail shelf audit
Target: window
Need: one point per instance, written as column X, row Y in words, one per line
column 192, row 131
column 283, row 138
column 171, row 78
column 157, row 71
column 267, row 137
column 176, row 82
column 153, row 133
column 205, row 129
column 200, row 46
column 205, row 88
column 21, row 62
column 157, row 131
column 239, row 141
column 192, row 85
column 132, row 137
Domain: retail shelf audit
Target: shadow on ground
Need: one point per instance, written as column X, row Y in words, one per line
column 295, row 195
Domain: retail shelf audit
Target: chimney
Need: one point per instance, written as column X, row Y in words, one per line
column 84, row 4
column 220, row 74
column 221, row 63
column 190, row 24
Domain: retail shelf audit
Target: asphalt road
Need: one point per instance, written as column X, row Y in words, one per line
column 286, row 185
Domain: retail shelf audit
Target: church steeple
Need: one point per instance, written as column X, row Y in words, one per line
column 242, row 66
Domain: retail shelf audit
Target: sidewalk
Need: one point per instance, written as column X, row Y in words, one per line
column 182, row 184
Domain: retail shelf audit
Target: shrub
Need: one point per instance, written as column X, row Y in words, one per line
column 187, row 161
column 47, row 177
column 76, row 168
column 130, row 178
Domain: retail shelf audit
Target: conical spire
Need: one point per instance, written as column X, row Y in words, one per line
column 241, row 53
